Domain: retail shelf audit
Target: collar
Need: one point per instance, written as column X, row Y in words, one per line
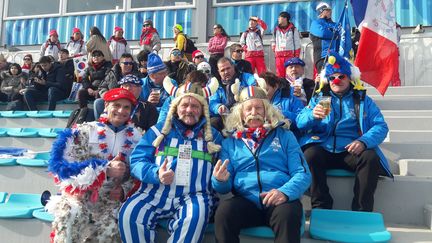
column 186, row 131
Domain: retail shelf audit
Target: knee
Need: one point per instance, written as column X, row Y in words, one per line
column 289, row 213
column 313, row 154
column 370, row 158
column 224, row 212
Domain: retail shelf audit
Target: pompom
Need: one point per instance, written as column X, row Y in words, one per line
column 331, row 60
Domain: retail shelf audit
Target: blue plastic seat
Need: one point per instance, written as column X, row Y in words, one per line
column 164, row 224
column 8, row 162
column 3, row 132
column 265, row 231
column 40, row 160
column 348, row 226
column 49, row 132
column 340, row 173
column 43, row 215
column 3, row 196
column 62, row 114
column 23, row 132
column 39, row 114
column 20, row 205
column 13, row 114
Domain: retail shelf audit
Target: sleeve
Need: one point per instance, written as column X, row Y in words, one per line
column 319, row 30
column 211, row 47
column 60, row 79
column 273, row 40
column 263, row 26
column 181, row 42
column 164, row 110
column 378, row 127
column 298, row 169
column 91, row 44
column 86, row 83
column 142, row 159
column 243, row 39
column 215, row 101
column 127, row 48
column 156, row 42
column 292, row 108
column 219, row 186
column 305, row 120
column 42, row 50
column 297, row 42
column 104, row 86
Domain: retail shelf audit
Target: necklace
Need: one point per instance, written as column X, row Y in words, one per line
column 103, row 146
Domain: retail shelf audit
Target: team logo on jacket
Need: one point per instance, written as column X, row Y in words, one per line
column 275, row 145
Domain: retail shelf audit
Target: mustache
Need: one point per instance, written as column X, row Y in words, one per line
column 254, row 117
column 196, row 118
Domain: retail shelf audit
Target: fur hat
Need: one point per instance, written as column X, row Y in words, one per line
column 154, row 64
column 201, row 94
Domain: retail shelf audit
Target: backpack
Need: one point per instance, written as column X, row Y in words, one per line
column 79, row 116
column 190, row 45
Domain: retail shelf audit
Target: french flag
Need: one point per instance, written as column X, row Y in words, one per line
column 377, row 54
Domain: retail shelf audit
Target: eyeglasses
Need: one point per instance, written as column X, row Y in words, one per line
column 199, row 57
column 146, row 25
column 127, row 63
column 176, row 53
column 239, row 51
column 342, row 76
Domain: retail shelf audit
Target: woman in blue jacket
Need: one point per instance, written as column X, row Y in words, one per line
column 265, row 169
column 346, row 138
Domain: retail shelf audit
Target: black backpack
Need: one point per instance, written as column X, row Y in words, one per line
column 190, row 45
column 80, row 116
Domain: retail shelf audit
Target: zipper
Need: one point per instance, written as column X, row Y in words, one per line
column 336, row 123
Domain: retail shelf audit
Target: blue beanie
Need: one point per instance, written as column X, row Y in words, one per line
column 337, row 64
column 294, row 61
column 130, row 79
column 154, row 64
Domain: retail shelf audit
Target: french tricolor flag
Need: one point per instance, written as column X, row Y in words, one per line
column 377, row 54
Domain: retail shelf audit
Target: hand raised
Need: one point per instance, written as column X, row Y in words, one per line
column 166, row 176
column 220, row 172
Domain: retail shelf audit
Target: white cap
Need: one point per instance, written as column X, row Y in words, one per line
column 204, row 67
column 322, row 6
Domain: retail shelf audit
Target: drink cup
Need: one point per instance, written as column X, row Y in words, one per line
column 298, row 83
column 325, row 102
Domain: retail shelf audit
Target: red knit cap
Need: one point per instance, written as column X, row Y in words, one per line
column 53, row 32
column 118, row 28
column 197, row 53
column 76, row 30
column 119, row 93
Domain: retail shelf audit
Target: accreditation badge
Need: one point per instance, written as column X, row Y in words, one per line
column 184, row 163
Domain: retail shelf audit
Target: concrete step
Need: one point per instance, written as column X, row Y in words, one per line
column 398, row 151
column 410, row 113
column 421, row 103
column 24, row 179
column 35, row 144
column 409, row 122
column 402, row 97
column 53, row 122
column 415, row 167
column 401, row 201
column 403, row 90
column 409, row 136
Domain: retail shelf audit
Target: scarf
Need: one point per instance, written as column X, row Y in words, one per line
column 121, row 40
column 252, row 136
column 146, row 35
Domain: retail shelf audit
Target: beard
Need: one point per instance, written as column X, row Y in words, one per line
column 190, row 115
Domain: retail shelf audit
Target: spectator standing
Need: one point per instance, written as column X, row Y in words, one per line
column 285, row 43
column 76, row 45
column 216, row 47
column 118, row 45
column 252, row 44
column 180, row 41
column 149, row 39
column 28, row 63
column 97, row 41
column 323, row 34
column 52, row 45
column 241, row 65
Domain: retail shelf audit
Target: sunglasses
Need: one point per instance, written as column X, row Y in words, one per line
column 331, row 78
column 146, row 25
column 127, row 63
column 199, row 57
column 176, row 53
column 239, row 51
column 206, row 71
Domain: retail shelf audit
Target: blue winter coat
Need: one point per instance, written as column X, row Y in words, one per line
column 280, row 165
column 324, row 29
column 340, row 127
column 147, row 87
column 287, row 103
column 220, row 97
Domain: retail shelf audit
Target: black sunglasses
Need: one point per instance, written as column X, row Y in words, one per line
column 239, row 51
column 199, row 56
column 127, row 63
column 342, row 76
column 146, row 25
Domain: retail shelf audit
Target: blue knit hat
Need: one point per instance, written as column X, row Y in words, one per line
column 154, row 64
column 294, row 61
column 337, row 64
column 130, row 79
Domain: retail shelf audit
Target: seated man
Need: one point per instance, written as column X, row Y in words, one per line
column 51, row 86
column 152, row 88
column 145, row 114
column 343, row 133
column 265, row 169
column 174, row 162
column 222, row 101
column 90, row 163
column 178, row 67
column 241, row 65
column 294, row 74
column 68, row 64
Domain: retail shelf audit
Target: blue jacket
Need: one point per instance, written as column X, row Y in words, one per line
column 163, row 112
column 147, row 87
column 280, row 165
column 221, row 98
column 146, row 159
column 287, row 103
column 340, row 127
column 323, row 29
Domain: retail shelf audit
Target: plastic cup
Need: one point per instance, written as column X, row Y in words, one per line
column 325, row 102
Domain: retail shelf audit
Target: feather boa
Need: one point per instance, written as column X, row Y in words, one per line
column 75, row 177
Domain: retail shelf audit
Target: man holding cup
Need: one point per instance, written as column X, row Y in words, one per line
column 294, row 74
column 346, row 136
